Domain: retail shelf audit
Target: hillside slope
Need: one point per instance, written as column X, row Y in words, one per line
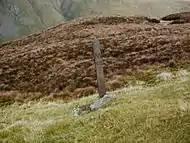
column 139, row 114
column 22, row 17
column 60, row 58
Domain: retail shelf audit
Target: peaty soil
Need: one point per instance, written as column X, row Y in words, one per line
column 60, row 59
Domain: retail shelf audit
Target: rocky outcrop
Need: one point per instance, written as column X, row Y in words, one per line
column 178, row 18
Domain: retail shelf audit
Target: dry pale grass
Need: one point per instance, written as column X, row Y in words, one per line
column 140, row 114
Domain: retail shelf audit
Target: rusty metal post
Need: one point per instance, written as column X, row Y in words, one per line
column 99, row 68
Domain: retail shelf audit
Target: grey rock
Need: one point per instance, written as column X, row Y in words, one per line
column 165, row 76
column 75, row 112
column 102, row 101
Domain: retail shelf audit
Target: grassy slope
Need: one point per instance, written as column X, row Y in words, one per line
column 158, row 113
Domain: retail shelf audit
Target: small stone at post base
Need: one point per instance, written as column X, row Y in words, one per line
column 102, row 101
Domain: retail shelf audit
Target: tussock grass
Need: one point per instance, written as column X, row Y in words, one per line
column 159, row 113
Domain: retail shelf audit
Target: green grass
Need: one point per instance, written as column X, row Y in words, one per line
column 159, row 113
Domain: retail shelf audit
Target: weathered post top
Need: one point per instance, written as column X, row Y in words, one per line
column 99, row 68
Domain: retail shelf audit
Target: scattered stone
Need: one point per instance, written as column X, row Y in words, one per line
column 165, row 76
column 183, row 105
column 183, row 73
column 165, row 23
column 75, row 112
column 140, row 82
